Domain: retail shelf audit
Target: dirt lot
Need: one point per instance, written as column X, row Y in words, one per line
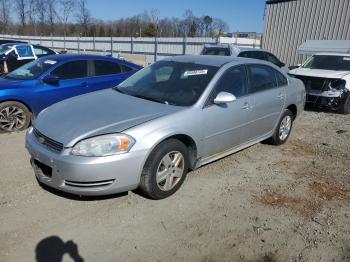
column 266, row 203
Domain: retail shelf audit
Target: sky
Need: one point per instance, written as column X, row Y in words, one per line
column 240, row 15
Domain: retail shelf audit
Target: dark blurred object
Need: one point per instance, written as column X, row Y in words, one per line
column 53, row 249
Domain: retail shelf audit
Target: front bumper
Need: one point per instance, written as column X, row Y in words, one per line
column 330, row 99
column 85, row 175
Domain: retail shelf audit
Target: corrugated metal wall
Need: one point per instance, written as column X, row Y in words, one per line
column 290, row 23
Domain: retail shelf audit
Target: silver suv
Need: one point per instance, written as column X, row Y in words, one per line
column 233, row 50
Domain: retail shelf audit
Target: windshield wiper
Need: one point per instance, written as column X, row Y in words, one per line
column 150, row 98
column 144, row 97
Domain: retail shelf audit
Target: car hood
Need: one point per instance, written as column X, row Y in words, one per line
column 319, row 73
column 95, row 114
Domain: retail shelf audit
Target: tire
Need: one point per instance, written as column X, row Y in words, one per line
column 345, row 108
column 14, row 116
column 278, row 138
column 161, row 176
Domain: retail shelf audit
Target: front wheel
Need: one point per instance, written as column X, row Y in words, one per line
column 283, row 129
column 14, row 116
column 165, row 169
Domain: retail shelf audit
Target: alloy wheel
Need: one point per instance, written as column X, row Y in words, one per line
column 12, row 118
column 285, row 127
column 170, row 170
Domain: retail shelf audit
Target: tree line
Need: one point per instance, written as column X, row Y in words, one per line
column 73, row 18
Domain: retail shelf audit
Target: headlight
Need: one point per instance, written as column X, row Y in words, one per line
column 105, row 145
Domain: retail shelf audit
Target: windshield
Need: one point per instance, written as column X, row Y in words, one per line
column 169, row 82
column 328, row 62
column 222, row 51
column 4, row 48
column 31, row 70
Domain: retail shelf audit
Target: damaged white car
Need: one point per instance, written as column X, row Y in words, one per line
column 326, row 77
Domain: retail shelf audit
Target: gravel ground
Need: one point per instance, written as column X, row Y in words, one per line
column 265, row 203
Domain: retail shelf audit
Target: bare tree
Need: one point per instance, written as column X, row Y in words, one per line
column 21, row 9
column 51, row 14
column 154, row 16
column 66, row 10
column 40, row 11
column 5, row 15
column 220, row 26
column 83, row 16
column 207, row 22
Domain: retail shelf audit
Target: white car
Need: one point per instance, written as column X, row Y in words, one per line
column 326, row 77
column 236, row 51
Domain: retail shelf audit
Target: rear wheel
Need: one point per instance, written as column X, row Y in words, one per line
column 345, row 108
column 165, row 169
column 283, row 129
column 14, row 116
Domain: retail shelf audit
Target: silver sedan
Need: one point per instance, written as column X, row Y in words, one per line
column 171, row 117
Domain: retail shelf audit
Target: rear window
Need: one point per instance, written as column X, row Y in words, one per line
column 221, row 51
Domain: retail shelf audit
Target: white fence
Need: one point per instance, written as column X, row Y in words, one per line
column 152, row 48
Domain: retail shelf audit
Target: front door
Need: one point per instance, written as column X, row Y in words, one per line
column 227, row 125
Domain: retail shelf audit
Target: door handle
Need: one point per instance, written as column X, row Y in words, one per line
column 84, row 84
column 245, row 106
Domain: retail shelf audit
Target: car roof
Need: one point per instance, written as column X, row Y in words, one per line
column 237, row 48
column 333, row 54
column 213, row 60
column 69, row 57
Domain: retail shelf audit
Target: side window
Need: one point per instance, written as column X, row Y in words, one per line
column 281, row 79
column 271, row 58
column 24, row 51
column 261, row 78
column 71, row 70
column 39, row 51
column 233, row 81
column 106, row 68
column 126, row 68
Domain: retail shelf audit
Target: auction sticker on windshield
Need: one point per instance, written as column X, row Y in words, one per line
column 196, row 72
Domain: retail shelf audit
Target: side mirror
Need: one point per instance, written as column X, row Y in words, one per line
column 299, row 65
column 51, row 79
column 282, row 64
column 224, row 98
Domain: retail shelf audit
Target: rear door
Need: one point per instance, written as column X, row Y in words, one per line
column 268, row 97
column 227, row 125
column 108, row 74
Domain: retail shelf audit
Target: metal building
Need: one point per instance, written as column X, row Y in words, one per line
column 289, row 23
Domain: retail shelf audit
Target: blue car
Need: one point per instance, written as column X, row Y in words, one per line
column 31, row 88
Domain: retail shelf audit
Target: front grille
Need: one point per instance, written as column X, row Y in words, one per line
column 90, row 184
column 48, row 142
column 314, row 83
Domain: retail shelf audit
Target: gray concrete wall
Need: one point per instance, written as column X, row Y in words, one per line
column 290, row 23
column 149, row 47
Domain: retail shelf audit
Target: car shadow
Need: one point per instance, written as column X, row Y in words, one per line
column 53, row 249
column 319, row 109
column 80, row 198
